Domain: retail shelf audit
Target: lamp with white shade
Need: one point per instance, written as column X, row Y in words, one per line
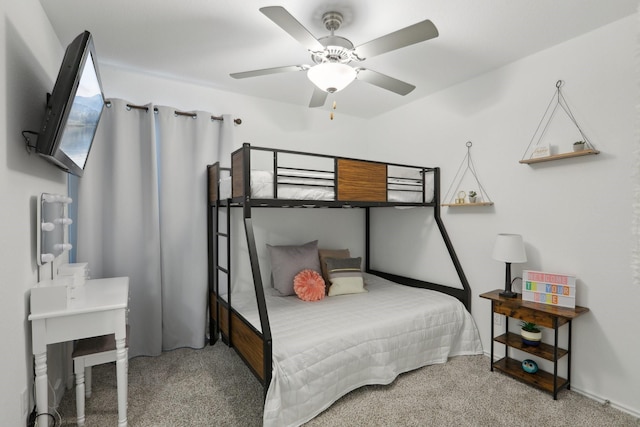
column 509, row 248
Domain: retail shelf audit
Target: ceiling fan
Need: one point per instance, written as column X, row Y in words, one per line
column 332, row 54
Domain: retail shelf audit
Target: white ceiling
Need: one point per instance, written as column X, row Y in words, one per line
column 203, row 41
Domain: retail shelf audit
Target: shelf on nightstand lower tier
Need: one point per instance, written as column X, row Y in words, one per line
column 543, row 350
column 540, row 379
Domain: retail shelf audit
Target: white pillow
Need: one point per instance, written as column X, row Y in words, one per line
column 345, row 276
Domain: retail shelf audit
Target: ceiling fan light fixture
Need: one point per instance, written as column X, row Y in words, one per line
column 332, row 76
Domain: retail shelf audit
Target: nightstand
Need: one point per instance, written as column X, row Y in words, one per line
column 545, row 315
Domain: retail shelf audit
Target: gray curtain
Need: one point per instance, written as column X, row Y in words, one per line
column 142, row 214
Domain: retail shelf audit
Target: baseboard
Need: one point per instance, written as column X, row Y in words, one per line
column 496, row 356
column 603, row 401
column 592, row 396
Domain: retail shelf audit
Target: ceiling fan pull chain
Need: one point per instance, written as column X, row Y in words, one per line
column 334, row 107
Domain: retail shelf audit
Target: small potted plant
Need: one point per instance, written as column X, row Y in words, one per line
column 473, row 196
column 578, row 146
column 531, row 333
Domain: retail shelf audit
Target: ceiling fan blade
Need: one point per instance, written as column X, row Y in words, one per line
column 266, row 71
column 318, row 98
column 287, row 22
column 412, row 34
column 385, row 82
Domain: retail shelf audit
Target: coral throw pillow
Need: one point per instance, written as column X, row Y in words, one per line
column 309, row 285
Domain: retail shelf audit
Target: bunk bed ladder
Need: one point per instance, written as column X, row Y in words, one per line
column 226, row 270
column 212, row 251
column 214, row 318
column 213, row 247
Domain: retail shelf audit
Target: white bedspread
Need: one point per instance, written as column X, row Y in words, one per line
column 323, row 350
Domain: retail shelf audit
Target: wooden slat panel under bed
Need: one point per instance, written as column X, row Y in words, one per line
column 248, row 343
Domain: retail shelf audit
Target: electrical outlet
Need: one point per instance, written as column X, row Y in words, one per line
column 497, row 319
column 24, row 399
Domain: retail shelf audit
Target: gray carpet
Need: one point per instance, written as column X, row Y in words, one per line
column 212, row 387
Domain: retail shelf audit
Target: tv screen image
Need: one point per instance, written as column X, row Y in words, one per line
column 84, row 116
column 73, row 109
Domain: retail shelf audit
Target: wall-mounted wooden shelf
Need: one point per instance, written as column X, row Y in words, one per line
column 469, row 204
column 454, row 198
column 561, row 156
column 540, row 132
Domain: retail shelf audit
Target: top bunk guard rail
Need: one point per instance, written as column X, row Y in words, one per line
column 351, row 183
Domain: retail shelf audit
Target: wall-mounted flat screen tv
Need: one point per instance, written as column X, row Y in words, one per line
column 73, row 109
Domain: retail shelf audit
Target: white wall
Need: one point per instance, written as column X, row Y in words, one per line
column 574, row 215
column 31, row 56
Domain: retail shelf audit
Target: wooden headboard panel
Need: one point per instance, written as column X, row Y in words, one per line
column 214, row 176
column 361, row 181
column 237, row 175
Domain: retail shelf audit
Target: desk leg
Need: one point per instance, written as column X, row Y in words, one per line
column 80, row 380
column 121, row 368
column 42, row 398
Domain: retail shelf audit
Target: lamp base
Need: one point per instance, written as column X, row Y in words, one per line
column 508, row 294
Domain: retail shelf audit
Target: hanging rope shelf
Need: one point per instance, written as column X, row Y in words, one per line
column 542, row 152
column 457, row 197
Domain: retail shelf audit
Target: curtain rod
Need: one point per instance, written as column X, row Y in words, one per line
column 176, row 112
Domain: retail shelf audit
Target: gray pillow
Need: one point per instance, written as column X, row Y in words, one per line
column 287, row 261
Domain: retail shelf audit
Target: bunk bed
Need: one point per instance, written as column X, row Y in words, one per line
column 293, row 347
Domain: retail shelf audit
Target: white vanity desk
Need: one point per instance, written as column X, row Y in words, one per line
column 101, row 309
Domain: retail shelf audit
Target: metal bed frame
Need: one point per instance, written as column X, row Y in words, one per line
column 253, row 346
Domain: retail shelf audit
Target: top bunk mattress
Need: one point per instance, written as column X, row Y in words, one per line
column 324, row 349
